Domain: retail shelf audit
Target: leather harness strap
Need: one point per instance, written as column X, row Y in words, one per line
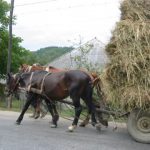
column 28, row 69
column 29, row 87
column 42, row 85
column 38, row 91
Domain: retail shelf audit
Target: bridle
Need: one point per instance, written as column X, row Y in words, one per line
column 11, row 91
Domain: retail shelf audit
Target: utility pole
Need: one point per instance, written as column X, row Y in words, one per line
column 10, row 38
column 9, row 99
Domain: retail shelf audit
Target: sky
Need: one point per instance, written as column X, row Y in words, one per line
column 43, row 23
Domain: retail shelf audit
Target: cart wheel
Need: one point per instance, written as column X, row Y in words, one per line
column 139, row 125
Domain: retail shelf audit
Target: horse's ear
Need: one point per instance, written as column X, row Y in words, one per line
column 9, row 75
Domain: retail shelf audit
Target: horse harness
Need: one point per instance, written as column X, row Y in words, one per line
column 28, row 69
column 29, row 88
column 35, row 90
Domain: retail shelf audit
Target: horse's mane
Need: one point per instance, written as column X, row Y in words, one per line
column 34, row 67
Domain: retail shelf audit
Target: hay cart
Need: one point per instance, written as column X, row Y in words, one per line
column 128, row 71
column 138, row 121
column 138, row 125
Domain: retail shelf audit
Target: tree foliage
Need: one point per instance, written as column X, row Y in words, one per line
column 46, row 55
column 4, row 19
column 18, row 52
column 81, row 60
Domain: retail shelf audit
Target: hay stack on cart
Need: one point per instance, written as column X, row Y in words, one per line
column 128, row 73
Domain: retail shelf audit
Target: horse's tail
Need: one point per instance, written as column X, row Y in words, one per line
column 98, row 85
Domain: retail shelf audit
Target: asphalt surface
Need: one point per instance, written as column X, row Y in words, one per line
column 37, row 135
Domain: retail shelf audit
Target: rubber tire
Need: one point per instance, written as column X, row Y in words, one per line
column 133, row 130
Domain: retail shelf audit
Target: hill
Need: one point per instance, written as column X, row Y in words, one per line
column 47, row 54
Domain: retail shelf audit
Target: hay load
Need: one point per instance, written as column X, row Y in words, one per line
column 128, row 73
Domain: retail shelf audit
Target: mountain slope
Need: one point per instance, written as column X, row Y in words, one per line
column 48, row 54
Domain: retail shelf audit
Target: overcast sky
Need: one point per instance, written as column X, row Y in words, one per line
column 42, row 23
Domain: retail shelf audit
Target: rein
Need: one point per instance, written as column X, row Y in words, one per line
column 16, row 84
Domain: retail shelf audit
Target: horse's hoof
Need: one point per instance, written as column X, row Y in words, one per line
column 56, row 117
column 53, row 126
column 71, row 128
column 82, row 124
column 93, row 124
column 17, row 123
column 36, row 117
column 104, row 123
column 115, row 128
column 98, row 127
column 43, row 115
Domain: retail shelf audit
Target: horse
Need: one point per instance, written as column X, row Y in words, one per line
column 37, row 103
column 96, row 81
column 28, row 68
column 55, row 87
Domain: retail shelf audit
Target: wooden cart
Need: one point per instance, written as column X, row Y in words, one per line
column 138, row 121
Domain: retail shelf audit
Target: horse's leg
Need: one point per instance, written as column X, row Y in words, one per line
column 33, row 104
column 78, row 110
column 92, row 112
column 30, row 97
column 87, row 97
column 37, row 108
column 50, row 108
column 85, row 121
column 76, row 102
column 43, row 109
column 56, row 114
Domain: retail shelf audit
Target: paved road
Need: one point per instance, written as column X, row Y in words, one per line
column 37, row 135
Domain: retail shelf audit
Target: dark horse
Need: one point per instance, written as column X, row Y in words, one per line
column 37, row 103
column 55, row 87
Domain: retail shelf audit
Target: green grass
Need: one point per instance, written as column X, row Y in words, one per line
column 16, row 106
column 70, row 113
column 66, row 113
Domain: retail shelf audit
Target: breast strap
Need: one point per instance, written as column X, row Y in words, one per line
column 34, row 90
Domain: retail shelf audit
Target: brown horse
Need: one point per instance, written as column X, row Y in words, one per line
column 27, row 68
column 55, row 87
column 37, row 103
column 96, row 82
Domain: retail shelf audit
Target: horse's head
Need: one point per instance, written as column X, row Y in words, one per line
column 12, row 83
column 24, row 68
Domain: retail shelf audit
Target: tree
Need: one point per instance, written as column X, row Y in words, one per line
column 4, row 19
column 10, row 37
column 18, row 52
column 16, row 56
column 81, row 60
